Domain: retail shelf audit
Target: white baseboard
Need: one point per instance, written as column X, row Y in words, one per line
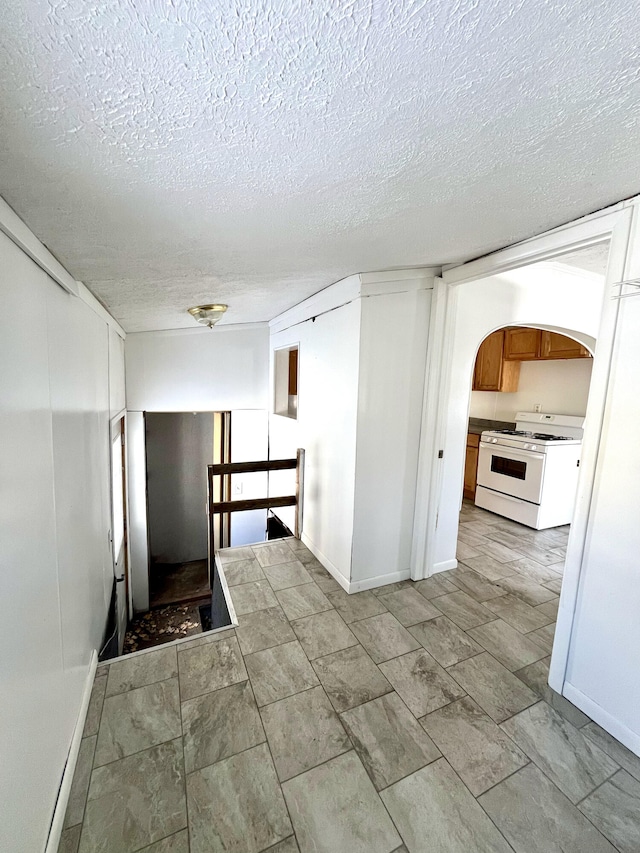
column 57, row 822
column 444, row 566
column 379, row 580
column 367, row 583
column 603, row 718
column 326, row 562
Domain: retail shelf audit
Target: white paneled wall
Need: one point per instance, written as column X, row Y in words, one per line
column 56, row 572
column 79, row 386
column 362, row 350
column 393, row 348
column 325, row 428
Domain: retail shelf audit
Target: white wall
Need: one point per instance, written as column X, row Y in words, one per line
column 199, row 370
column 55, row 515
column 362, row 354
column 559, row 386
column 186, row 370
column 326, row 425
column 117, row 394
column 249, row 443
column 539, row 295
column 393, row 347
column 602, row 671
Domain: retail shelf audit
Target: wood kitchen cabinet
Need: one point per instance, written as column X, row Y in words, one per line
column 492, row 371
column 500, row 354
column 553, row 345
column 524, row 344
column 471, row 466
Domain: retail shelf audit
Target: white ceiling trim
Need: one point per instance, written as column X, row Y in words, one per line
column 25, row 239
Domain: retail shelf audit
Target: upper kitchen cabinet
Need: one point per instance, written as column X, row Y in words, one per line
column 498, row 360
column 525, row 344
column 492, row 371
column 522, row 344
column 553, row 345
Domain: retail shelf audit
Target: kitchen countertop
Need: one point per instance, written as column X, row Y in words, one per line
column 479, row 425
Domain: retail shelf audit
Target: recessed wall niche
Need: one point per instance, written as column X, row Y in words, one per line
column 286, row 382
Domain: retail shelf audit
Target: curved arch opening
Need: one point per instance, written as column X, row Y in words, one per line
column 530, row 367
column 582, row 338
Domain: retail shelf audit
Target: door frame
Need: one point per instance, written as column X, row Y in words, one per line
column 118, row 426
column 613, row 224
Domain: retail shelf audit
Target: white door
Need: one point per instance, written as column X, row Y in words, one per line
column 119, row 529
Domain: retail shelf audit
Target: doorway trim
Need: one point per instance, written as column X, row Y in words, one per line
column 118, row 434
column 613, row 225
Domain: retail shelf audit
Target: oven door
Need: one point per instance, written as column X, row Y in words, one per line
column 511, row 471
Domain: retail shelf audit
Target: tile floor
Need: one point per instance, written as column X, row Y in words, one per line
column 415, row 717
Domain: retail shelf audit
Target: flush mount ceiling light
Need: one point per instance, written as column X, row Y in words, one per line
column 208, row 315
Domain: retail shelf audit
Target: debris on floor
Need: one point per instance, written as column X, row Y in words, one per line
column 162, row 625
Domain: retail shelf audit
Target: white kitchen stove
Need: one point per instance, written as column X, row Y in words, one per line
column 530, row 474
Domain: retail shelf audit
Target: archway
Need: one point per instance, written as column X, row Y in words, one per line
column 540, row 295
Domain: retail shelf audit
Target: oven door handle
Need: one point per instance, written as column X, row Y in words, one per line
column 511, row 451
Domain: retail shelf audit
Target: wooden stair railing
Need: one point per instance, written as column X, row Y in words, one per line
column 225, row 506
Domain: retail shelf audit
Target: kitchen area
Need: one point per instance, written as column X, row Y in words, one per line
column 592, row 641
column 526, row 418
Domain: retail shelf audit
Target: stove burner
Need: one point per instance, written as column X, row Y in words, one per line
column 540, row 436
column 543, row 436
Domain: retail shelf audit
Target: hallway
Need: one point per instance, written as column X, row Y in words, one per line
column 413, row 717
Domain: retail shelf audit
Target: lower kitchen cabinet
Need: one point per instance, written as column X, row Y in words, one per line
column 471, row 466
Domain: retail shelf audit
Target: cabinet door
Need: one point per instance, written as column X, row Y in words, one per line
column 471, row 467
column 522, row 344
column 559, row 346
column 489, row 363
column 492, row 373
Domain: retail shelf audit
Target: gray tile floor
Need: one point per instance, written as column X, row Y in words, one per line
column 414, row 717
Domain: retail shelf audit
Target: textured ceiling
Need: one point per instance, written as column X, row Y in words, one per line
column 171, row 152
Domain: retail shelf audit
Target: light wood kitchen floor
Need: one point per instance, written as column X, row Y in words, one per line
column 414, row 717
